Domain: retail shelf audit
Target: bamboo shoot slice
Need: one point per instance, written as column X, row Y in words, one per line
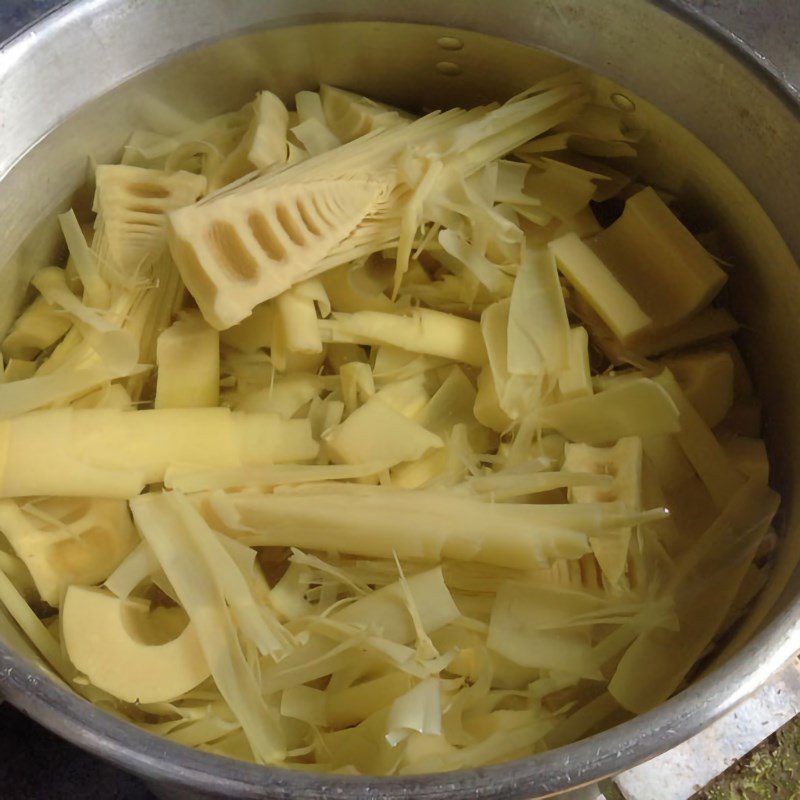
column 377, row 432
column 680, row 279
column 636, row 407
column 99, row 645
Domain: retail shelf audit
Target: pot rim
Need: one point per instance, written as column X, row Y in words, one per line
column 76, row 720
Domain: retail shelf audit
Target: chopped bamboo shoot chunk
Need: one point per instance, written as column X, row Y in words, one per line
column 187, row 354
column 113, row 453
column 600, row 288
column 658, row 261
column 84, row 550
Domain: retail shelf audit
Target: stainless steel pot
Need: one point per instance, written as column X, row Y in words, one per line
column 76, row 83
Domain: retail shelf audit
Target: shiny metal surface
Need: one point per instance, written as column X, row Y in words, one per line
column 56, row 83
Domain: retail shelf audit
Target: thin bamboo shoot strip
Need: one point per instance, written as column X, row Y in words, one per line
column 422, row 331
column 113, row 453
column 428, row 525
column 166, row 526
column 384, row 613
column 191, row 479
column 702, row 447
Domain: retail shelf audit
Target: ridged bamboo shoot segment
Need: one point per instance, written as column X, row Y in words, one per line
column 623, row 462
column 246, row 248
column 131, row 205
column 113, row 453
column 252, row 242
column 67, row 541
column 187, row 355
column 100, row 645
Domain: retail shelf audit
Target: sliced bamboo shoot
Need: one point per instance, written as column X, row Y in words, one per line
column 636, row 407
column 376, row 432
column 100, row 645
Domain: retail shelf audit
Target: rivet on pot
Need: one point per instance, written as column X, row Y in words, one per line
column 448, row 68
column 449, row 43
column 623, row 102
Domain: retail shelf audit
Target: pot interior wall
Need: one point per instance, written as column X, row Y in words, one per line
column 402, row 64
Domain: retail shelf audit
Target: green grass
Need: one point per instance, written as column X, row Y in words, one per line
column 770, row 772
